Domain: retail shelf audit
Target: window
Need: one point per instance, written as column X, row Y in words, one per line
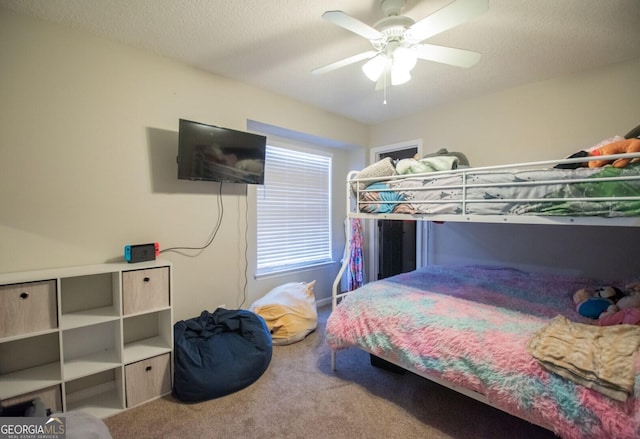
column 293, row 211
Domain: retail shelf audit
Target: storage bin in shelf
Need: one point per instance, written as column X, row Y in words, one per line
column 147, row 335
column 99, row 394
column 147, row 379
column 89, row 299
column 29, row 364
column 91, row 349
column 27, row 307
column 145, row 290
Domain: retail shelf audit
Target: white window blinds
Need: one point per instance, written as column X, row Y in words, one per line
column 293, row 211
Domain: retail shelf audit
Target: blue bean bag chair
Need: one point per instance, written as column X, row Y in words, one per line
column 219, row 353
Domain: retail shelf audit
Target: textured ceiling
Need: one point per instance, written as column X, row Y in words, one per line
column 274, row 44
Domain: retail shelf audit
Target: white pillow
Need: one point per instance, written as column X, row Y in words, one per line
column 381, row 168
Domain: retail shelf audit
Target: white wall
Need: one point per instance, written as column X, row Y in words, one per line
column 540, row 121
column 88, row 140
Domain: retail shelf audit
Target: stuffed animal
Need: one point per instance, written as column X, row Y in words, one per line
column 581, row 295
column 608, row 292
column 618, row 147
column 589, row 304
column 633, row 288
column 626, row 310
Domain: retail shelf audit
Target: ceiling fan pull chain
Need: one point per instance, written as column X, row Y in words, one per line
column 384, row 90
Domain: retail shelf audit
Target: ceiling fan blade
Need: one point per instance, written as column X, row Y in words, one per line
column 449, row 16
column 344, row 62
column 345, row 21
column 447, row 55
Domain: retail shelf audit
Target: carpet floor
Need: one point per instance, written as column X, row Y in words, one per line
column 299, row 396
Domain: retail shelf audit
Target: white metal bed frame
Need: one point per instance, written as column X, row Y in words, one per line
column 352, row 208
column 354, row 212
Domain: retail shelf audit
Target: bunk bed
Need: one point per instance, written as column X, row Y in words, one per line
column 500, row 335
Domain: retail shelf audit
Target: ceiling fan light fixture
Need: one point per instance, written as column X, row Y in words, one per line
column 397, row 40
column 375, row 67
column 404, row 58
column 399, row 76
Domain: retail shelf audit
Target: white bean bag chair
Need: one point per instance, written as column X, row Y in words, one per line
column 289, row 311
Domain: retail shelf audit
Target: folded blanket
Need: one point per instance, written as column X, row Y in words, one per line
column 600, row 358
column 430, row 164
column 384, row 201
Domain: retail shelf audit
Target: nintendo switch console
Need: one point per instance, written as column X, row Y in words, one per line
column 141, row 252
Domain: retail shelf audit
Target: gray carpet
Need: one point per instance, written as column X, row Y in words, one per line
column 299, row 396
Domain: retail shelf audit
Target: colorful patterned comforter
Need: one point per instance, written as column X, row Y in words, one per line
column 470, row 326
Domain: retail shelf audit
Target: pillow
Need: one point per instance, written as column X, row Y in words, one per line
column 381, row 168
column 289, row 311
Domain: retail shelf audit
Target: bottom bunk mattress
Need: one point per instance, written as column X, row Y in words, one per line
column 471, row 326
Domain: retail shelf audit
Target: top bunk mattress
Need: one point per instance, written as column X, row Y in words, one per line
column 602, row 192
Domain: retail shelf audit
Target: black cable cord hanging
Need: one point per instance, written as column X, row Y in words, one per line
column 213, row 233
column 246, row 247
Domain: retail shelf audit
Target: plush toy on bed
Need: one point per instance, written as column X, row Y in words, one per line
column 619, row 147
column 626, row 310
column 592, row 303
column 630, row 143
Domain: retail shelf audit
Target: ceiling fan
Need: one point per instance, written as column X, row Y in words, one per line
column 397, row 40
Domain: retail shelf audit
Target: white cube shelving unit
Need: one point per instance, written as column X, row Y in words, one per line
column 96, row 338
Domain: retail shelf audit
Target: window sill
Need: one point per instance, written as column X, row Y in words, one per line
column 288, row 271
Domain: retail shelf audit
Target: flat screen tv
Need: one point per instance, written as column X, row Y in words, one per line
column 211, row 153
